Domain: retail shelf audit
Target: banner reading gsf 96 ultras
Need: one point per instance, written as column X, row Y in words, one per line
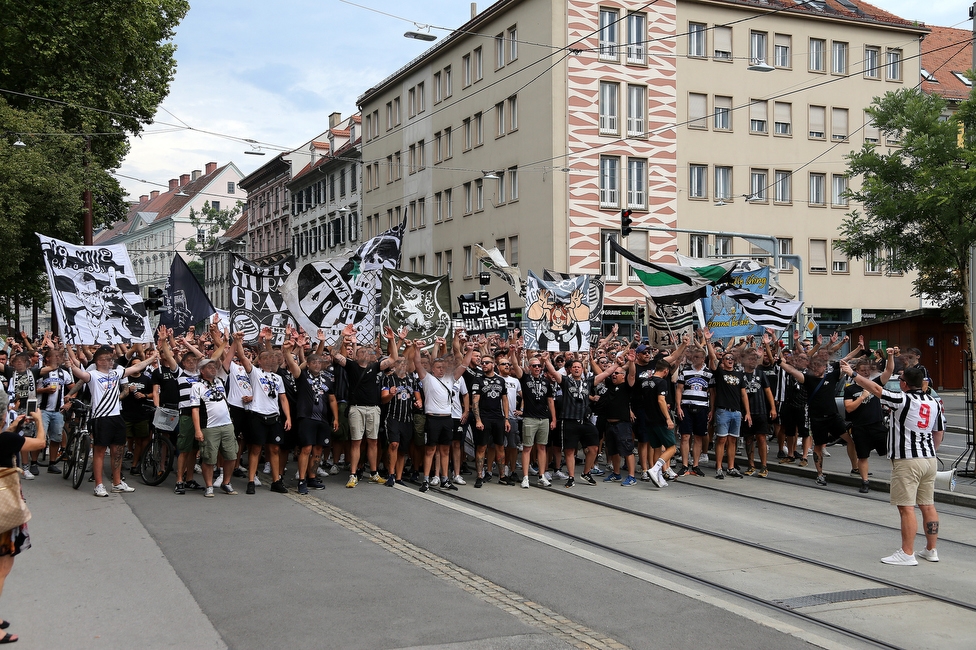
column 256, row 300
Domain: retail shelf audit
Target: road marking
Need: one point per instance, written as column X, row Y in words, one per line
column 532, row 614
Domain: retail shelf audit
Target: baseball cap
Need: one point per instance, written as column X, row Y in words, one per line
column 643, row 348
column 204, row 362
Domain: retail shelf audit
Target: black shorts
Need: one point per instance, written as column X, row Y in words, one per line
column 399, row 432
column 759, row 427
column 570, row 434
column 107, row 431
column 493, row 433
column 794, row 421
column 241, row 420
column 642, row 424
column 313, row 433
column 264, row 430
column 459, row 430
column 440, row 430
column 514, row 436
column 694, row 422
column 824, row 429
column 623, row 437
column 868, row 437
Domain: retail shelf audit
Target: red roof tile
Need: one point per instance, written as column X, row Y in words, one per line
column 944, row 52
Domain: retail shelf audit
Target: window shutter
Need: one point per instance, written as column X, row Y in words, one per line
column 818, row 255
column 817, row 118
column 723, row 39
column 697, row 109
column 757, row 110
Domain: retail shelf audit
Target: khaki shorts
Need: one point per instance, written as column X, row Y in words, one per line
column 218, row 439
column 913, row 481
column 535, row 431
column 364, row 422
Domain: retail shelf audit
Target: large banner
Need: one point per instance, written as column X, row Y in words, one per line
column 723, row 315
column 256, row 301
column 96, row 296
column 327, row 296
column 419, row 304
column 594, row 298
column 557, row 316
column 667, row 323
column 493, row 260
column 482, row 317
column 184, row 300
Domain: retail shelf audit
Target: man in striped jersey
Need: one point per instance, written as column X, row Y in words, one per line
column 692, row 401
column 915, row 432
column 106, row 423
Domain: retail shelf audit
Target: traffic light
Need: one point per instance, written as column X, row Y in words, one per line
column 625, row 222
column 155, row 301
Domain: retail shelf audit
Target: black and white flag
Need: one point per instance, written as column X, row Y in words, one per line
column 667, row 323
column 256, row 300
column 419, row 304
column 482, row 317
column 184, row 300
column 767, row 311
column 96, row 296
column 557, row 316
column 594, row 298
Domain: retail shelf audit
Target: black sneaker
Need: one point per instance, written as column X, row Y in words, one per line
column 865, row 487
column 35, row 469
column 464, row 469
column 180, row 488
column 589, row 480
column 302, row 487
column 133, row 471
column 238, row 473
column 390, row 482
column 424, row 486
column 250, row 488
column 479, row 482
column 857, row 472
column 697, row 471
column 503, row 480
column 682, row 470
column 193, row 485
column 448, row 485
column 315, row 484
column 279, row 487
column 570, row 482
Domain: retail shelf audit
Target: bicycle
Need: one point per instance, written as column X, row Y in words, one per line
column 78, row 446
column 158, row 458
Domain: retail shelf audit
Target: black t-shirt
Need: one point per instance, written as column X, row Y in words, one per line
column 364, row 383
column 403, row 389
column 535, row 396
column 728, row 389
column 615, row 403
column 869, row 412
column 10, row 445
column 643, row 382
column 135, row 409
column 756, row 385
column 772, row 375
column 313, row 394
column 491, row 389
column 169, row 386
column 652, row 403
column 821, row 400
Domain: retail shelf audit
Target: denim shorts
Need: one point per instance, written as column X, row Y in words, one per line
column 727, row 423
column 53, row 425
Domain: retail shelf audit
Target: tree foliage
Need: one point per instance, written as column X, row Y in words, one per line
column 78, row 79
column 210, row 222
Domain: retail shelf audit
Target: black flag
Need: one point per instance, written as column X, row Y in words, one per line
column 184, row 301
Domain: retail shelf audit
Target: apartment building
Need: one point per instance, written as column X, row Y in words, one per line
column 218, row 262
column 325, row 207
column 534, row 124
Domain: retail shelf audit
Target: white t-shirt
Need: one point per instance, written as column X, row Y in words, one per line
column 267, row 387
column 512, row 387
column 216, row 402
column 238, row 385
column 104, row 387
column 460, row 388
column 437, row 395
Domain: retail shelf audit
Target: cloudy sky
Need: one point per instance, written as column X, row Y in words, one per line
column 274, row 71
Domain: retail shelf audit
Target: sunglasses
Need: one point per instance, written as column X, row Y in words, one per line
column 535, row 365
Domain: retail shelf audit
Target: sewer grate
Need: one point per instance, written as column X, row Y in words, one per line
column 838, row 597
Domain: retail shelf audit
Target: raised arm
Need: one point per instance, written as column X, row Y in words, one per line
column 76, row 368
column 139, row 367
column 865, row 383
column 889, row 368
column 793, row 372
column 679, row 351
column 239, row 349
column 287, row 347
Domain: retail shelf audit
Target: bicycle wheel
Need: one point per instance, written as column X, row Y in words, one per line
column 157, row 460
column 80, row 462
column 69, row 457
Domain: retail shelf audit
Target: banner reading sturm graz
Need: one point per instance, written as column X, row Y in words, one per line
column 96, row 296
column 420, row 304
column 255, row 299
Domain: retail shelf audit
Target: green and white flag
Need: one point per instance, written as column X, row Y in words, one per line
column 420, row 304
column 673, row 284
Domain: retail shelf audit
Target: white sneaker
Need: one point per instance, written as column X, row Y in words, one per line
column 267, row 468
column 459, row 480
column 669, row 475
column 197, row 469
column 122, row 487
column 100, row 491
column 28, row 474
column 931, row 556
column 561, row 475
column 703, row 459
column 544, row 480
column 334, row 470
column 548, row 477
column 533, row 471
column 257, row 481
column 655, row 475
column 219, row 481
column 900, row 558
column 525, row 481
column 298, row 475
column 826, row 453
column 321, row 473
column 646, row 476
column 434, row 482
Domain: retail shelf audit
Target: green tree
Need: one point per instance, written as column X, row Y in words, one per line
column 919, row 198
column 209, row 223
column 78, row 79
column 197, row 269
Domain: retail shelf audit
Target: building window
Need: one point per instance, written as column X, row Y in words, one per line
column 389, row 115
column 783, row 186
column 781, row 51
column 500, row 188
column 818, row 121
column 513, row 188
column 411, row 102
column 421, row 264
column 609, row 107
column 757, row 117
column 513, row 250
column 636, row 110
column 838, row 124
column 354, row 226
column 698, row 245
column 872, row 264
column 783, row 118
column 499, row 119
column 215, row 205
column 468, row 199
column 500, row 245
column 872, row 62
column 422, row 213
column 500, row 51
column 396, row 111
column 838, row 260
column 479, row 130
column 757, row 184
column 637, row 183
column 817, row 47
column 438, row 207
column 437, row 147
column 817, row 187
column 437, row 90
column 723, row 246
column 785, row 248
column 512, row 43
column 636, row 244
column 608, row 33
column 479, row 195
column 723, row 113
column 412, row 159
column 838, row 190
column 466, row 124
column 637, row 39
column 466, row 70
column 468, row 262
column 448, row 83
column 893, row 65
column 871, row 133
column 448, row 143
column 438, row 264
column 697, row 111
column 698, row 181
column 231, row 187
column 609, row 181
column 838, row 57
column 697, row 39
column 723, row 182
column 421, row 98
column 513, row 113
column 757, row 47
column 448, row 203
column 818, row 255
column 722, row 39
column 479, row 67
column 609, row 260
column 413, row 264
column 449, row 264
